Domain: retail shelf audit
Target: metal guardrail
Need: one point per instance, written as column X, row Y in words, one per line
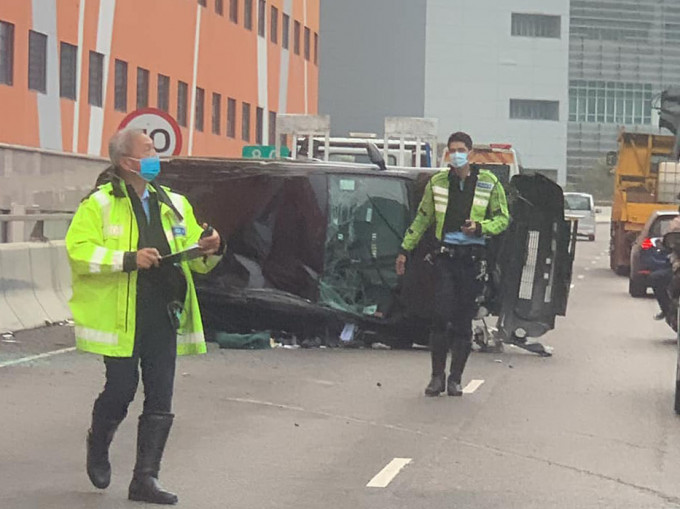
column 12, row 226
column 61, row 216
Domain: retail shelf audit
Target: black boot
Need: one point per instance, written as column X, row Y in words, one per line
column 152, row 434
column 99, row 438
column 438, row 348
column 460, row 352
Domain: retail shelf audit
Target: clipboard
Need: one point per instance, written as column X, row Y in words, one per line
column 190, row 253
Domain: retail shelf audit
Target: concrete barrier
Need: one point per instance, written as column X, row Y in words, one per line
column 34, row 283
column 44, row 279
column 62, row 271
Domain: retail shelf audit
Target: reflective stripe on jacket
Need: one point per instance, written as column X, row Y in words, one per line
column 104, row 298
column 489, row 207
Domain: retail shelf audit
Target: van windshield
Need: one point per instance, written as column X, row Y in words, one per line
column 576, row 202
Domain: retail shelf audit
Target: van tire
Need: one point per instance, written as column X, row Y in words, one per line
column 637, row 288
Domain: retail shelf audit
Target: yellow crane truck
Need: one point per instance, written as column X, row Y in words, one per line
column 636, row 191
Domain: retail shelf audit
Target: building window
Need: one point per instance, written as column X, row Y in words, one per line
column 182, row 103
column 259, row 125
column 528, row 109
column 163, row 99
column 233, row 10
column 272, row 127
column 610, row 102
column 248, row 14
column 121, row 83
column 316, row 48
column 285, row 31
column 6, row 53
column 200, row 108
column 68, row 66
column 231, row 118
column 142, row 88
column 635, row 22
column 536, row 25
column 216, row 113
column 308, row 44
column 96, row 79
column 261, row 18
column 245, row 122
column 296, row 37
column 274, row 29
column 37, row 61
column 219, row 7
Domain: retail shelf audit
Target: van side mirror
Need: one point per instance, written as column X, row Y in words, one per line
column 375, row 156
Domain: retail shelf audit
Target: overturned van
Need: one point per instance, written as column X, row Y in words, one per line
column 312, row 247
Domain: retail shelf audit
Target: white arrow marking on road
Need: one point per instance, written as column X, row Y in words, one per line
column 387, row 474
column 472, row 386
column 35, row 357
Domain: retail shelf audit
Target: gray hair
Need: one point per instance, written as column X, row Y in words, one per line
column 120, row 144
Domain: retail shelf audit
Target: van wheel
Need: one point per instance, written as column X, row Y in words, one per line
column 637, row 288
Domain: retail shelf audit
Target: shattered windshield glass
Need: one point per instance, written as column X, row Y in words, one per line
column 366, row 220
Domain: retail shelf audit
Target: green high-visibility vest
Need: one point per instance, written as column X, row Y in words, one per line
column 104, row 298
column 489, row 207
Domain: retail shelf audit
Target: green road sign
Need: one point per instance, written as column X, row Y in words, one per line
column 263, row 152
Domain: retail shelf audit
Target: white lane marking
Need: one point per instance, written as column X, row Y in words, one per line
column 320, row 382
column 572, row 286
column 35, row 357
column 472, row 386
column 387, row 474
column 581, row 276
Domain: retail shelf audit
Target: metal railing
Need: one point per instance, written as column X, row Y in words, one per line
column 13, row 229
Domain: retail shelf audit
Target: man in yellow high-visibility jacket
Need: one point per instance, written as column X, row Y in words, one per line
column 467, row 205
column 133, row 308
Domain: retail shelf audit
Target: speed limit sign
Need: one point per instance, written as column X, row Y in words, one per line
column 161, row 128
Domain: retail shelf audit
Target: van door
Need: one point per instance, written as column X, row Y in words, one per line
column 536, row 259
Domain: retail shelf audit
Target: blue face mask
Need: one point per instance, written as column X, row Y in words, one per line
column 458, row 159
column 149, row 168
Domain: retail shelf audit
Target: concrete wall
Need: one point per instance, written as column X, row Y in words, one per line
column 474, row 67
column 372, row 62
column 48, row 180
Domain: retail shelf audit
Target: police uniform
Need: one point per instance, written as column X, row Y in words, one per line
column 449, row 202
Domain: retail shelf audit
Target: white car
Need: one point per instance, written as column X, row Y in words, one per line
column 582, row 207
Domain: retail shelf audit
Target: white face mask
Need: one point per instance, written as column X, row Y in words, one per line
column 458, row 159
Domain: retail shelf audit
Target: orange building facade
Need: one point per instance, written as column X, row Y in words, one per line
column 72, row 70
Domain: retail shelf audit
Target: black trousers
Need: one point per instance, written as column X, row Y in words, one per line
column 456, row 291
column 155, row 351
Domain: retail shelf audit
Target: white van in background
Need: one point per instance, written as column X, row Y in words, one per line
column 582, row 207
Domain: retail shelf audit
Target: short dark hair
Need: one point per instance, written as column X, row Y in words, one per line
column 462, row 137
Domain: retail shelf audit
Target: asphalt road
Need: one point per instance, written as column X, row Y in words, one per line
column 592, row 426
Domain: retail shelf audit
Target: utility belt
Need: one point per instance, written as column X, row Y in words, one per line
column 474, row 251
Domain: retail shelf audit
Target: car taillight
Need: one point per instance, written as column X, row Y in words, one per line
column 647, row 244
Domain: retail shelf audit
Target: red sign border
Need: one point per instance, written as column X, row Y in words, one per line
column 155, row 111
